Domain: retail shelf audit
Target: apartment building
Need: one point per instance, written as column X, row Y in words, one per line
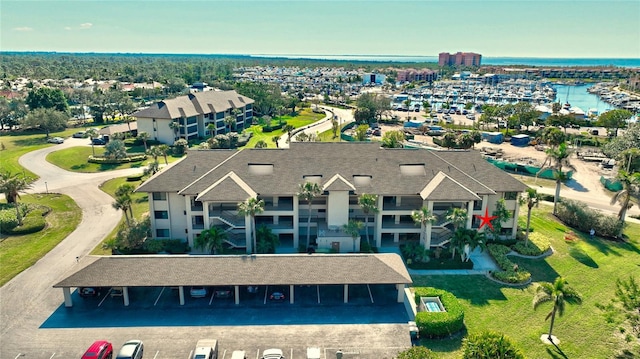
column 204, row 189
column 189, row 116
column 459, row 59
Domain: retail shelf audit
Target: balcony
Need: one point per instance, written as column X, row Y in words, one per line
column 389, row 204
column 284, row 204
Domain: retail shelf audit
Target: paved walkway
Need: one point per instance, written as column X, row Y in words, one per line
column 482, row 263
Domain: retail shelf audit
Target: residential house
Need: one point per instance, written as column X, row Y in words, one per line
column 193, row 113
column 204, row 189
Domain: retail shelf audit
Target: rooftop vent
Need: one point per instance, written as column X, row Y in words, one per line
column 362, row 180
column 416, row 169
column 261, row 168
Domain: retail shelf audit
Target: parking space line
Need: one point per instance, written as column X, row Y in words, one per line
column 258, row 354
column 224, row 353
column 159, row 295
column 318, row 290
column 265, row 294
column 19, row 355
column 105, row 297
column 370, row 295
column 155, row 356
column 190, row 354
column 213, row 292
column 291, row 357
column 52, row 355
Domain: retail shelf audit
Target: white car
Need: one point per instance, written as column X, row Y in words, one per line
column 57, row 140
column 272, row 354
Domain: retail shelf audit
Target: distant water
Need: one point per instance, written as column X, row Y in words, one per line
column 578, row 96
column 500, row 61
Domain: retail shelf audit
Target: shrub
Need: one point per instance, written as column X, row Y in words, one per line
column 8, row 220
column 30, row 224
column 510, row 272
column 537, row 245
column 439, row 324
column 176, row 246
column 490, row 345
column 138, row 157
column 416, row 352
column 577, row 215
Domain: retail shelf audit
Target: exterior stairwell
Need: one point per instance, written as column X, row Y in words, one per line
column 440, row 236
column 233, row 225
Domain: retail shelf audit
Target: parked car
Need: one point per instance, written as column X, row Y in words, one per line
column 277, row 296
column 57, row 140
column 133, row 349
column 252, row 289
column 206, row 349
column 100, row 349
column 87, row 292
column 272, row 354
column 198, row 292
column 79, row 134
column 223, row 292
column 98, row 141
column 116, row 292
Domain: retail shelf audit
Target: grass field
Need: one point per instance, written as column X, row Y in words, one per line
column 18, row 253
column 590, row 266
column 305, row 117
column 15, row 145
column 140, row 208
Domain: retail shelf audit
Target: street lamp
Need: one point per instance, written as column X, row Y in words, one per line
column 46, row 187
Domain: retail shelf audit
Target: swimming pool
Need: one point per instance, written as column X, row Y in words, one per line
column 431, row 304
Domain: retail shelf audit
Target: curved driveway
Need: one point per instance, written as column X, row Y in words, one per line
column 28, row 299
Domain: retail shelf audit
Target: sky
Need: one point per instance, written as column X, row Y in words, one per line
column 504, row 28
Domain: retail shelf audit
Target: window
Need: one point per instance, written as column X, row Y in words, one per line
column 477, row 205
column 510, row 196
column 162, row 233
column 159, row 196
column 161, row 214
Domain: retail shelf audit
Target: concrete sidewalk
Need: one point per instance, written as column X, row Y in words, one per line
column 482, row 263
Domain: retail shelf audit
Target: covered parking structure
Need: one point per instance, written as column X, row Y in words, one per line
column 237, row 271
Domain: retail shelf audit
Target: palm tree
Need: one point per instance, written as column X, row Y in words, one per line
column 92, row 133
column 11, row 185
column 531, row 199
column 211, row 240
column 630, row 188
column 353, row 228
column 124, row 201
column 275, row 139
column 559, row 293
column 557, row 159
column 288, row 128
column 164, row 150
column 175, row 126
column 211, row 127
column 458, row 217
column 308, row 191
column 423, row 217
column 368, row 203
column 230, row 122
column 251, row 207
column 154, row 152
column 144, row 136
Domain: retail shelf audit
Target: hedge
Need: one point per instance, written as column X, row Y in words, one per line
column 8, row 220
column 538, row 244
column 439, row 324
column 138, row 157
column 510, row 272
column 578, row 215
column 32, row 222
column 266, row 129
column 490, row 345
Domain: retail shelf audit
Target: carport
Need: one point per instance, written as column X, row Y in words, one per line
column 238, row 271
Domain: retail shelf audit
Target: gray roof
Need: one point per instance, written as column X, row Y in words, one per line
column 261, row 269
column 194, row 104
column 466, row 168
column 119, row 128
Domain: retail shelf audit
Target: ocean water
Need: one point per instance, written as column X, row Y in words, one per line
column 579, row 97
column 498, row 61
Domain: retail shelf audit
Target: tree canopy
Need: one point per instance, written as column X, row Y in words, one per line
column 46, row 97
column 46, row 119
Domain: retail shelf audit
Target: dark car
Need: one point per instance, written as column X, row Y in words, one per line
column 79, row 134
column 223, row 292
column 87, row 292
column 277, row 296
column 100, row 349
column 98, row 141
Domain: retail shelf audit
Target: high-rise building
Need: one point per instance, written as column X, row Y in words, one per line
column 459, row 59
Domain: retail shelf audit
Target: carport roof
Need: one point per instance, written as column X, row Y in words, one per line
column 290, row 269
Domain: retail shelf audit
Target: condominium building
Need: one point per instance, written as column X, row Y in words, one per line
column 204, row 190
column 409, row 75
column 459, row 59
column 190, row 116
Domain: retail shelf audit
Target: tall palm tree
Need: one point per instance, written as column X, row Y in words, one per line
column 11, row 185
column 275, row 140
column 368, row 203
column 124, row 201
column 558, row 293
column 164, row 150
column 457, row 216
column 144, row 137
column 230, row 122
column 251, row 207
column 175, row 127
column 308, row 191
column 211, row 127
column 92, row 133
column 154, row 152
column 211, row 240
column 531, row 199
column 630, row 189
column 423, row 217
column 353, row 228
column 288, row 128
column 557, row 159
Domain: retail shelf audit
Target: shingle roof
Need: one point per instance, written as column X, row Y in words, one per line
column 294, row 269
column 229, row 188
column 444, row 188
column 467, row 168
column 338, row 183
column 195, row 104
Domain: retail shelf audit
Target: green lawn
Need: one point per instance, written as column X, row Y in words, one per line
column 18, row 253
column 304, row 117
column 327, row 136
column 17, row 144
column 590, row 266
column 140, row 207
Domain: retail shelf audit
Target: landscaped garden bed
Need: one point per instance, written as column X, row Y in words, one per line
column 445, row 320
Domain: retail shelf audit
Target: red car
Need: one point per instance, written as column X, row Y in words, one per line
column 100, row 349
